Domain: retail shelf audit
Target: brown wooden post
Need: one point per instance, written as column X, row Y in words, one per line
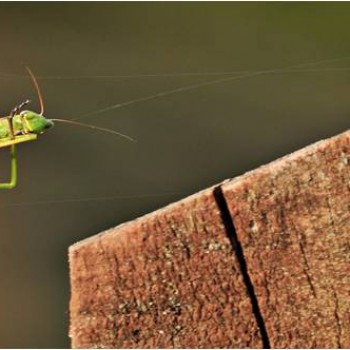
column 258, row 261
column 292, row 218
column 169, row 279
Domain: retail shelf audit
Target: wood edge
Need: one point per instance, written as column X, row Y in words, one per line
column 277, row 165
column 282, row 162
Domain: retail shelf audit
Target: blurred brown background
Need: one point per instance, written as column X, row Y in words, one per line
column 186, row 141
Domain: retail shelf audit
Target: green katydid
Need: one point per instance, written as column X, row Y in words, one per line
column 24, row 125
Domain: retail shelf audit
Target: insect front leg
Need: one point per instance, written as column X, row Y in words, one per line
column 17, row 111
column 13, row 181
column 11, row 130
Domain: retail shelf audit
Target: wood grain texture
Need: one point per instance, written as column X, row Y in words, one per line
column 169, row 279
column 292, row 220
column 261, row 260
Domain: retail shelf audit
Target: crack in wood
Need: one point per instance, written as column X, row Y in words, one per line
column 306, row 266
column 238, row 250
column 337, row 318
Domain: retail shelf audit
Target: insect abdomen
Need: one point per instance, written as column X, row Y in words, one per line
column 4, row 129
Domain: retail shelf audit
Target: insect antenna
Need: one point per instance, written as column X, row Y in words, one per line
column 38, row 91
column 66, row 121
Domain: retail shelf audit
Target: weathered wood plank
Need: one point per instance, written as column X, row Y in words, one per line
column 292, row 219
column 169, row 279
column 260, row 260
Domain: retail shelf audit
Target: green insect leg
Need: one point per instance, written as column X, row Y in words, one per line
column 13, row 180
